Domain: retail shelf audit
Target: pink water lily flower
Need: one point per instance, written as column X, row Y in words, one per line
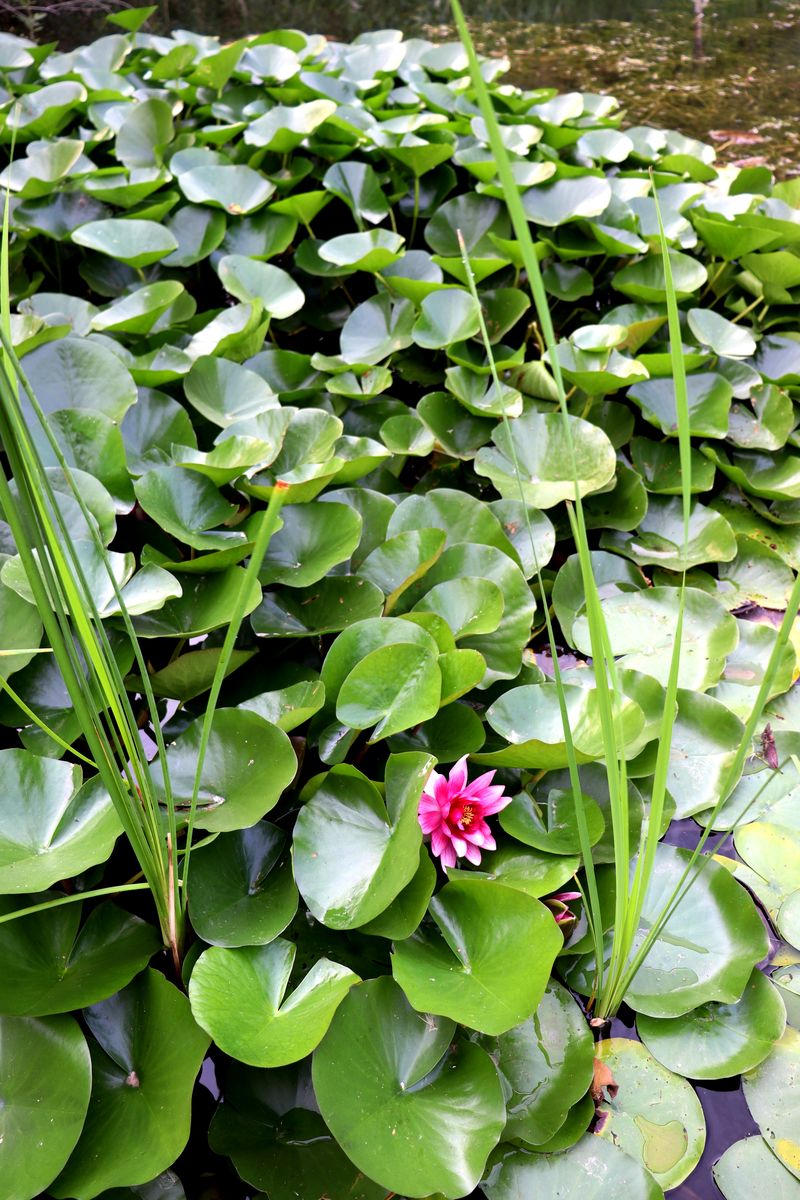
column 453, row 813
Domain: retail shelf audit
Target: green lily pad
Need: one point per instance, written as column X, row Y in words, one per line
column 313, row 538
column 716, row 1041
column 641, row 629
column 20, row 631
column 660, row 537
column 707, row 950
column 325, row 607
column 47, row 1077
column 247, row 279
column 656, row 1117
column 446, row 316
column 345, row 811
column 412, row 1111
column 287, row 1149
column 205, row 604
column 248, row 765
column 749, row 1166
column 371, row 250
column 77, row 373
column 545, row 1064
column 56, row 828
column 224, row 391
column 502, row 648
column 236, row 189
column 765, row 426
column 242, row 892
column 188, row 507
column 720, row 334
column 773, row 476
column 548, row 822
column 488, row 965
column 529, row 719
column 52, row 964
column 588, row 1168
column 708, row 400
column 543, row 453
column 239, row 997
column 705, row 740
column 644, row 280
column 567, row 200
column 283, row 127
column 146, row 1053
column 376, row 329
column 137, row 243
column 772, row 1096
column 659, row 465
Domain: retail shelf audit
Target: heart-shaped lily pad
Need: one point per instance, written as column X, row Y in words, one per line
column 242, row 892
column 655, row 1117
column 47, row 1075
column 54, row 964
column 717, row 1041
column 50, row 826
column 238, row 996
column 489, row 977
column 414, row 1112
column 146, row 1053
column 353, row 853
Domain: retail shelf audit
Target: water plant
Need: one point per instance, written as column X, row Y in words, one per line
column 268, row 304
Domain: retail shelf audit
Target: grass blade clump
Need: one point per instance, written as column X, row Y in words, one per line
column 613, row 979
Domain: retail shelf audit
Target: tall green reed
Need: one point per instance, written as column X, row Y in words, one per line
column 628, row 949
column 82, row 647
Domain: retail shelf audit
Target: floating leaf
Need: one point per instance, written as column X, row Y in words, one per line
column 243, row 893
column 546, row 1065
column 146, row 1053
column 52, row 964
column 47, row 1076
column 56, row 828
column 749, row 1166
column 137, row 243
column 544, row 456
column 717, row 1041
column 247, row 766
column 488, row 965
column 354, row 853
column 412, row 1111
column 588, row 1169
column 238, row 996
column 655, row 1117
column 772, row 1097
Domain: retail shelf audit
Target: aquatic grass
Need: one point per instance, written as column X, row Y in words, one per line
column 83, row 650
column 612, row 982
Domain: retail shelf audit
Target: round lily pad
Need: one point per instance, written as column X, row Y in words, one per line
column 135, row 242
column 717, row 1041
column 590, row 1168
column 239, row 997
column 47, row 1076
column 773, row 1097
column 487, row 967
column 413, row 1110
column 655, row 1116
column 749, row 1167
column 546, row 1065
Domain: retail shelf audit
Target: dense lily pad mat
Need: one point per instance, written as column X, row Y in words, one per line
column 236, row 269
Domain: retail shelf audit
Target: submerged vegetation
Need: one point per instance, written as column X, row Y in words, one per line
column 364, row 414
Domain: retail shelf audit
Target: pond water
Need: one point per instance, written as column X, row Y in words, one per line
column 727, row 71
